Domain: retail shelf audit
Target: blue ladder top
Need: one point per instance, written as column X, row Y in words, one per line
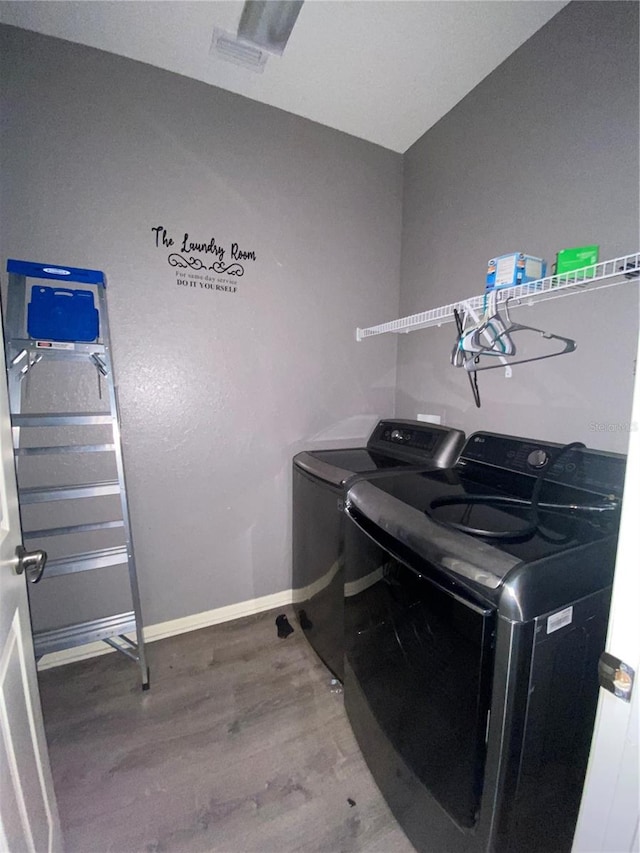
column 54, row 271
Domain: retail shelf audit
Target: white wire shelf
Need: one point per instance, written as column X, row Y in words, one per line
column 595, row 276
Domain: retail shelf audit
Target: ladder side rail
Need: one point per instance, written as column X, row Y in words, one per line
column 14, row 326
column 16, row 298
column 117, row 442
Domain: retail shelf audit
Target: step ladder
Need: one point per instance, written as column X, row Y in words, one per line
column 42, row 318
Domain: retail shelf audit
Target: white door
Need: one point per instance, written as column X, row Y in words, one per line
column 28, row 810
column 609, row 813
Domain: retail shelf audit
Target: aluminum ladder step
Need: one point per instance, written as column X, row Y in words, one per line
column 65, row 493
column 58, row 349
column 89, row 560
column 55, row 449
column 61, row 419
column 72, row 528
column 70, row 636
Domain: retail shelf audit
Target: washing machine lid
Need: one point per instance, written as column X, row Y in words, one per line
column 560, row 528
column 338, row 467
column 475, row 519
column 376, row 510
column 393, row 444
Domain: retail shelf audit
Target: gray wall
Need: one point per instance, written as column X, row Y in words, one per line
column 542, row 155
column 217, row 389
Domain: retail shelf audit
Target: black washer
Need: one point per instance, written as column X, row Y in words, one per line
column 471, row 674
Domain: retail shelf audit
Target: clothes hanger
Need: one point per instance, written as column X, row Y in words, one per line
column 473, row 363
column 473, row 379
column 490, row 333
column 471, row 358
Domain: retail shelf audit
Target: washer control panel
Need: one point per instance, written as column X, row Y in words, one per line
column 594, row 470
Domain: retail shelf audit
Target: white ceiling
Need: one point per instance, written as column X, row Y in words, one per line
column 382, row 70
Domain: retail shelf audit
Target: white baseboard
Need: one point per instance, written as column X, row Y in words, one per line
column 174, row 627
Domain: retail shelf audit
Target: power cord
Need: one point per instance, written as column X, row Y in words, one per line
column 504, row 500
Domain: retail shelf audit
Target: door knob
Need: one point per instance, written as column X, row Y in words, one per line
column 32, row 563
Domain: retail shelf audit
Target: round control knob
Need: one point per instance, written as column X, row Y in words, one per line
column 396, row 435
column 538, row 458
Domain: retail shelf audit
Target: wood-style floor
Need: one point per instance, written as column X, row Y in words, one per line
column 240, row 745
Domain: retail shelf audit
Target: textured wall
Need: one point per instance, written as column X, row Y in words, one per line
column 218, row 389
column 542, row 155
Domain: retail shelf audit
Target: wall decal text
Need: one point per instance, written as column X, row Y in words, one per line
column 193, row 255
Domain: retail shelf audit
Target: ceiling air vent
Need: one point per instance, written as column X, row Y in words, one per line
column 226, row 46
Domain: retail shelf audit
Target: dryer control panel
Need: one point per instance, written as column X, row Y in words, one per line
column 417, row 441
